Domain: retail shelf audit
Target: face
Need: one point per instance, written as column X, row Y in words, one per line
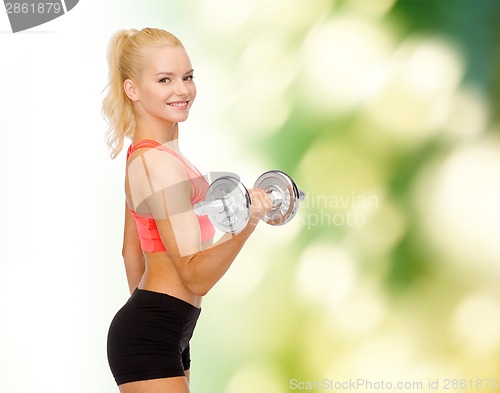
column 166, row 89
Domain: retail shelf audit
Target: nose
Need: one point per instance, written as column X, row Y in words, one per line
column 181, row 89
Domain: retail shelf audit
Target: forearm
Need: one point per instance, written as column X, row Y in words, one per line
column 205, row 268
column 134, row 268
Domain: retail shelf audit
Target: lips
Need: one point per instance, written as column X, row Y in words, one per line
column 178, row 104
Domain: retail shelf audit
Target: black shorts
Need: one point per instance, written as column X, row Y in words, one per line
column 149, row 337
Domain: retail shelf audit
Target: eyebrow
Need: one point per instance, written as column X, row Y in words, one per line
column 172, row 73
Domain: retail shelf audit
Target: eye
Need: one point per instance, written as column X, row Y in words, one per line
column 165, row 80
column 189, row 78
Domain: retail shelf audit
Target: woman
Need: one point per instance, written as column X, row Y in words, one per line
column 169, row 257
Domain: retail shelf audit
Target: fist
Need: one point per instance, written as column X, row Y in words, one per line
column 261, row 203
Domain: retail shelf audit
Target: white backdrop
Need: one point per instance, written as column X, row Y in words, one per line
column 61, row 271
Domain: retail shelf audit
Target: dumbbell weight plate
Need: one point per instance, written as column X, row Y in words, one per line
column 235, row 215
column 280, row 182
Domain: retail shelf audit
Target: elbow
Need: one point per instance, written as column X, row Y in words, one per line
column 130, row 251
column 194, row 281
column 198, row 290
column 202, row 292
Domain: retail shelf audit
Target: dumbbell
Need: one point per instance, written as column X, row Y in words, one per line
column 228, row 203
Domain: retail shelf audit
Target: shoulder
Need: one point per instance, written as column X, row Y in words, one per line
column 154, row 169
column 154, row 177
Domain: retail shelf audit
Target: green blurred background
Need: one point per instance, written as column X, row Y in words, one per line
column 385, row 112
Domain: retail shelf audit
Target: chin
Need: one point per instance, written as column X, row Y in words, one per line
column 177, row 119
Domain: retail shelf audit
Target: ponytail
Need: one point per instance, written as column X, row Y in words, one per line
column 125, row 51
column 116, row 106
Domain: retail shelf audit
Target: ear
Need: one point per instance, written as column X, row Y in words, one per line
column 131, row 90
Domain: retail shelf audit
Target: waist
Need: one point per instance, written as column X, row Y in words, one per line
column 161, row 276
column 160, row 299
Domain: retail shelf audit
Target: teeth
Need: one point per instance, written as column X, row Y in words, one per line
column 179, row 104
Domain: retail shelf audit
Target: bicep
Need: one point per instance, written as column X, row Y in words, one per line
column 177, row 224
column 160, row 186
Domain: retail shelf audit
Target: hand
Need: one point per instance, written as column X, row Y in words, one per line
column 261, row 203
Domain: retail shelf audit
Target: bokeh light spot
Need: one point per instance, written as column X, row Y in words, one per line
column 468, row 114
column 456, row 205
column 476, row 323
column 325, row 274
column 340, row 57
column 411, row 104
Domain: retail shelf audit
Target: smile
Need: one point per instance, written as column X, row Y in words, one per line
column 178, row 104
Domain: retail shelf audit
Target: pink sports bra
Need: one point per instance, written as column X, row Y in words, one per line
column 146, row 225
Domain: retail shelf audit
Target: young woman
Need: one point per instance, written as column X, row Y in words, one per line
column 170, row 260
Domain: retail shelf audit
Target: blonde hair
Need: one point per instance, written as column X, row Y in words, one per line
column 125, row 60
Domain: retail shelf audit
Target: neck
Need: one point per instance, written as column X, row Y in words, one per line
column 164, row 133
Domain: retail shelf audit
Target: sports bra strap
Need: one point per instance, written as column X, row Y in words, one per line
column 153, row 144
column 192, row 172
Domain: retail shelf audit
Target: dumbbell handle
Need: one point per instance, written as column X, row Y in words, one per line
column 277, row 198
column 205, row 207
column 217, row 206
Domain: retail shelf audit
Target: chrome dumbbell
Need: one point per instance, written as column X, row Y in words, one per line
column 228, row 203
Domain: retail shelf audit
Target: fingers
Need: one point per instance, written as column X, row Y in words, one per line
column 261, row 202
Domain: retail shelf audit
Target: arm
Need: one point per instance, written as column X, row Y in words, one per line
column 166, row 191
column 201, row 270
column 132, row 252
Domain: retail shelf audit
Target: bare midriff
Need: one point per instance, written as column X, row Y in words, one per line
column 161, row 275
